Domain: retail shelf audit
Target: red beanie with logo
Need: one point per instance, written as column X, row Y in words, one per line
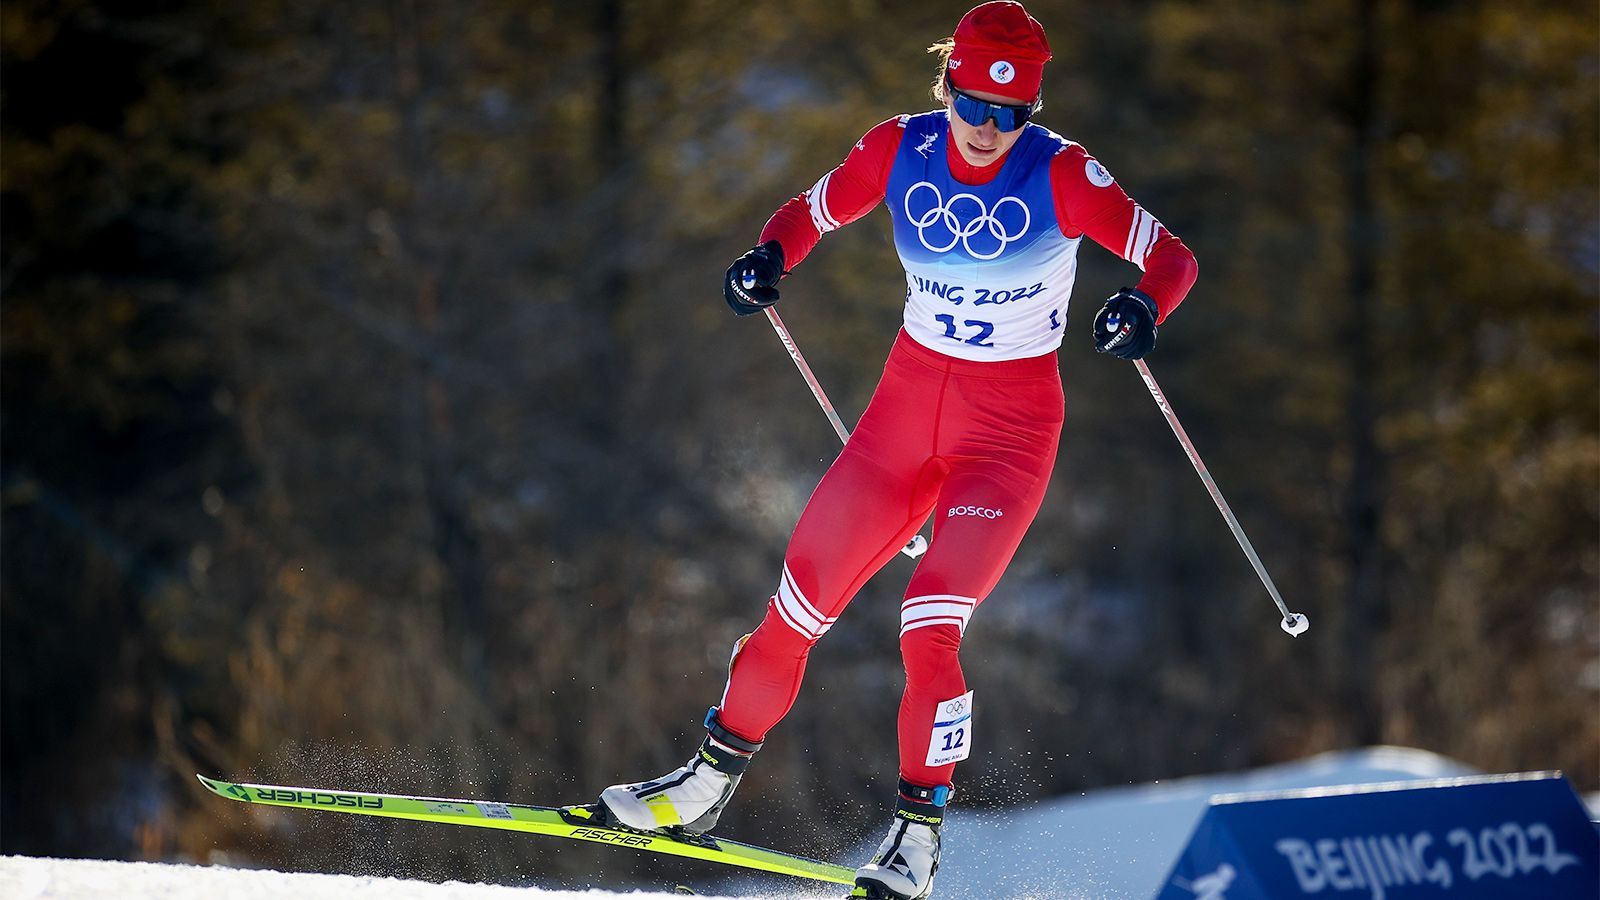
column 1000, row 50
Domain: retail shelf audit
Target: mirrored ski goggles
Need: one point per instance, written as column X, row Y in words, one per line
column 975, row 112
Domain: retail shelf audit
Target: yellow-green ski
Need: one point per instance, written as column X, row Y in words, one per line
column 583, row 823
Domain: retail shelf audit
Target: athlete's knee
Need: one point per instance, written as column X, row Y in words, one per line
column 931, row 625
column 797, row 607
column 776, row 637
column 931, row 652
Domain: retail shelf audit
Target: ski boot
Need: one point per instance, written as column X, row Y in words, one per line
column 906, row 861
column 690, row 799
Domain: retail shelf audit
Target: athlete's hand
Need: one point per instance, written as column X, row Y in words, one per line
column 1126, row 325
column 752, row 281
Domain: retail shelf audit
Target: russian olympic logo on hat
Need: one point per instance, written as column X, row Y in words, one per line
column 1002, row 72
column 1097, row 174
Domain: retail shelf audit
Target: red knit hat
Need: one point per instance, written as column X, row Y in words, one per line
column 1001, row 50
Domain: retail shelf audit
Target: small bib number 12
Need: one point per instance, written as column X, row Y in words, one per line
column 952, row 731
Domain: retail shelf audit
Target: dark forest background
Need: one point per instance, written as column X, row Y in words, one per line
column 371, row 417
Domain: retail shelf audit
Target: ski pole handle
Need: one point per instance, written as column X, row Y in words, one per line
column 1293, row 623
column 917, row 545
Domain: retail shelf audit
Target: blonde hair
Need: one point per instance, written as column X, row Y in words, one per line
column 942, row 49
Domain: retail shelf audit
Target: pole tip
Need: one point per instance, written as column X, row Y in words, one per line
column 1295, row 624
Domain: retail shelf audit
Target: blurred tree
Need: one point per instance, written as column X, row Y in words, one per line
column 111, row 427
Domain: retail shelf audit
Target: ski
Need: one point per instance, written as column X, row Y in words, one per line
column 583, row 823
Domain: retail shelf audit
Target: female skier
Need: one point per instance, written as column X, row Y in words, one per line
column 988, row 212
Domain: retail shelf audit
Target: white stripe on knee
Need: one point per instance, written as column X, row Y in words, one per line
column 936, row 609
column 797, row 611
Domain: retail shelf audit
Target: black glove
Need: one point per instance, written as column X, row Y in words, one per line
column 1126, row 325
column 752, row 281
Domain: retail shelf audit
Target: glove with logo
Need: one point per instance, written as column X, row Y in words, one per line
column 752, row 281
column 1126, row 325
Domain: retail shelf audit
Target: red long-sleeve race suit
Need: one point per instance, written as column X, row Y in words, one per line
column 965, row 421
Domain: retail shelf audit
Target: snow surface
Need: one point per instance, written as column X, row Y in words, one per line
column 1119, row 843
column 1108, row 844
column 27, row 878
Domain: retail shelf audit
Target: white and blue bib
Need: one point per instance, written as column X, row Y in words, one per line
column 988, row 271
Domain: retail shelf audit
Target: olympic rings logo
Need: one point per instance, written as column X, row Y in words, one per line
column 983, row 220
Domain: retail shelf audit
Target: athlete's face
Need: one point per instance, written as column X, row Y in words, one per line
column 983, row 144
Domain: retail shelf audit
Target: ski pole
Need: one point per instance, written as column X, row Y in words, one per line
column 1294, row 623
column 917, row 545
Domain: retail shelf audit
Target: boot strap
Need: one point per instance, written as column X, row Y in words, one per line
column 727, row 738
column 728, row 762
column 723, row 750
column 923, row 805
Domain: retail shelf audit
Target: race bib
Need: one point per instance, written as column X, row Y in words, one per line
column 952, row 731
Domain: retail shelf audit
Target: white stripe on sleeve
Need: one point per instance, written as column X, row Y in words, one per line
column 1133, row 231
column 1141, row 237
column 817, row 201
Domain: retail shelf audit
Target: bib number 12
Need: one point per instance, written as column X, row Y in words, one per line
column 951, row 740
column 978, row 339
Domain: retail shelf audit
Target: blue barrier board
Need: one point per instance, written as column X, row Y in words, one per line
column 1496, row 836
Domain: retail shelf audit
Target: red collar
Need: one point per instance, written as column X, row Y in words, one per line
column 966, row 172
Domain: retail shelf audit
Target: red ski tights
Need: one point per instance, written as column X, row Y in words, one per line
column 972, row 443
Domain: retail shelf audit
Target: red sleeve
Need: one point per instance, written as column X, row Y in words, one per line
column 840, row 197
column 1089, row 201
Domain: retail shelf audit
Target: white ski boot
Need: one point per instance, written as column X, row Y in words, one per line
column 904, row 866
column 691, row 798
